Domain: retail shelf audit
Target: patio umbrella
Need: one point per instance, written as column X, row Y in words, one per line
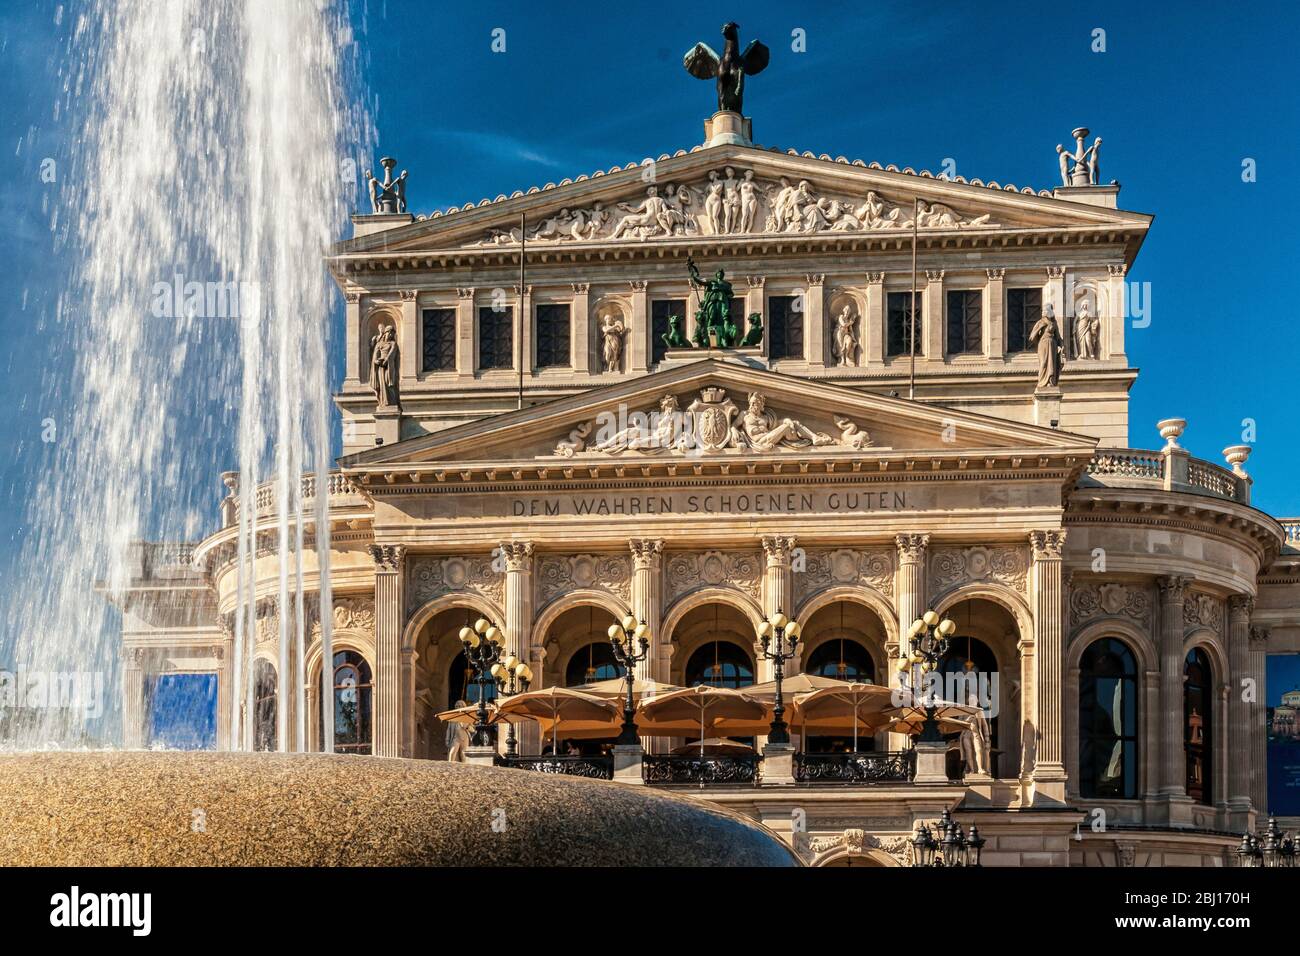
column 792, row 685
column 716, row 746
column 704, row 707
column 616, row 689
column 467, row 715
column 830, row 708
column 562, row 707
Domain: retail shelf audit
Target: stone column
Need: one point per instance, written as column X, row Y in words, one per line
column 1173, row 781
column 1049, row 755
column 1258, row 730
column 524, row 327
column 642, row 332
column 580, row 322
column 225, row 691
column 1054, row 292
column 389, row 707
column 647, row 598
column 911, row 593
column 873, row 322
column 815, row 320
column 932, row 344
column 778, row 592
column 352, row 327
column 133, row 715
column 995, row 328
column 1239, row 743
column 518, row 557
column 1113, row 319
column 408, row 341
column 465, row 331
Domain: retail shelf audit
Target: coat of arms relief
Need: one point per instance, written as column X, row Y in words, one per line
column 430, row 577
column 559, row 574
column 846, row 566
column 711, row 423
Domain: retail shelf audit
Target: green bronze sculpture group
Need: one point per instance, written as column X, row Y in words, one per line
column 714, row 325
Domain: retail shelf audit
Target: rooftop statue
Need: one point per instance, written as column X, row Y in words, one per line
column 730, row 69
column 714, row 314
column 389, row 196
column 1086, row 159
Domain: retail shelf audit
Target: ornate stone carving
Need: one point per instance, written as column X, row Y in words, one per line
column 611, row 335
column 1046, row 337
column 846, row 337
column 384, row 366
column 1047, row 545
column 387, row 557
column 1125, row 854
column 388, row 197
column 645, row 551
column 1259, row 635
column 846, row 566
column 431, row 577
column 777, row 548
column 1241, row 604
column 730, row 69
column 1203, row 610
column 517, row 554
column 560, row 574
column 851, row 436
column 1172, row 587
column 1087, row 332
column 911, row 547
column 953, row 567
column 1086, row 160
column 576, row 442
column 855, row 842
column 1088, row 601
column 688, row 571
column 354, row 613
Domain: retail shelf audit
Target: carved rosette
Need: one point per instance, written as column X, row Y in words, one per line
column 1111, row 599
column 431, row 577
column 953, row 567
column 1203, row 610
column 688, row 571
column 827, row 568
column 558, row 575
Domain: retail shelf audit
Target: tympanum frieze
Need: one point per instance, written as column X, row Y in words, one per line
column 1109, row 599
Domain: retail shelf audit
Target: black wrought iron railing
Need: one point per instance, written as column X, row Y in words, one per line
column 594, row 768
column 870, row 767
column 684, row 768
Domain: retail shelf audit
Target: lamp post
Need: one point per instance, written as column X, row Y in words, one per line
column 773, row 636
column 482, row 644
column 513, row 677
column 950, row 848
column 625, row 636
column 1273, row 849
column 928, row 640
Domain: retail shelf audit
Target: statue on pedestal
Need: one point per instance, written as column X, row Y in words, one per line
column 1086, row 159
column 1047, row 338
column 846, row 337
column 384, row 360
column 730, row 69
column 389, row 196
column 1087, row 333
column 611, row 331
column 714, row 314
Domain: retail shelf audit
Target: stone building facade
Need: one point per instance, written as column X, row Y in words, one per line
column 559, row 472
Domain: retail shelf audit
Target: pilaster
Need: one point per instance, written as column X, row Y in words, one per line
column 1114, row 318
column 1240, row 607
column 390, row 560
column 465, row 321
column 352, row 326
column 642, row 332
column 995, row 320
column 647, row 599
column 524, row 352
column 580, row 323
column 754, row 303
column 1258, row 729
column 815, row 320
column 408, row 341
column 932, row 316
column 1049, row 751
column 1173, row 782
column 133, row 730
column 873, row 322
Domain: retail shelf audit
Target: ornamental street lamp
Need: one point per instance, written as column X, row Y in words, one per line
column 625, row 635
column 512, row 677
column 483, row 647
column 1273, row 849
column 773, row 636
column 950, row 848
column 928, row 640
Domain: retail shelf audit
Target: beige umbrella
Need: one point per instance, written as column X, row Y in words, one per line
column 793, row 685
column 467, row 715
column 715, row 746
column 705, row 708
column 616, row 689
column 867, row 707
column 562, row 708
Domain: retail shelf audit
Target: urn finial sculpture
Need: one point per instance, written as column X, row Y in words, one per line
column 1086, row 170
column 387, row 197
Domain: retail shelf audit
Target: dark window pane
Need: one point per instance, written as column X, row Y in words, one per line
column 1023, row 309
column 1198, row 726
column 785, row 326
column 439, row 340
column 1108, row 721
column 660, row 310
column 965, row 321
column 720, row 664
column 496, row 337
column 899, row 322
column 553, row 336
column 592, row 663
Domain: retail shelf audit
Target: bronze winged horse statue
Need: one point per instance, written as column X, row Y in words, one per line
column 730, row 69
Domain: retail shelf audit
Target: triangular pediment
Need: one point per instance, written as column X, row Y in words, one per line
column 721, row 410
column 738, row 193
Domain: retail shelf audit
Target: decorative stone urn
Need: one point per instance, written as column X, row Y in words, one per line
column 1171, row 429
column 1236, row 455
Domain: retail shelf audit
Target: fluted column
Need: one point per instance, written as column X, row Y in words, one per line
column 518, row 557
column 1239, row 749
column 133, row 736
column 388, row 708
column 1049, row 750
column 647, row 598
column 777, row 589
column 1173, row 779
column 911, row 592
column 1258, row 731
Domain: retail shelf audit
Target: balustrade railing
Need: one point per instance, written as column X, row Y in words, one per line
column 1291, row 526
column 266, row 495
column 709, row 768
column 870, row 767
column 1127, row 463
column 594, row 768
column 1118, row 466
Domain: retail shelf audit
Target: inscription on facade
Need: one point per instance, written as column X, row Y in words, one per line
column 712, row 503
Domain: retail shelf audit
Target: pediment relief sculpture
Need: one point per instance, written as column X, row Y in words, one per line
column 713, row 422
column 732, row 201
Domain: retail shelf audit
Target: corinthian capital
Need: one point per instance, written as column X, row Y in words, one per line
column 1241, row 605
column 1259, row 635
column 646, row 551
column 388, row 557
column 777, row 548
column 911, row 547
column 1172, row 587
column 517, row 555
column 1047, row 545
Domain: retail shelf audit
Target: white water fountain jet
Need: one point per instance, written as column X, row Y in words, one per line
column 209, row 174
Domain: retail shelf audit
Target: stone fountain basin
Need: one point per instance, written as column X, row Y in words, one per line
column 139, row 808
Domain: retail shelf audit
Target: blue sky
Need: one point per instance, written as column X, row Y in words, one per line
column 1182, row 95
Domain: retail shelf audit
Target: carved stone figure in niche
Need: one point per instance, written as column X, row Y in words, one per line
column 754, row 334
column 1087, row 333
column 1047, row 338
column 748, row 202
column 645, row 436
column 730, row 69
column 1087, row 162
column 714, row 313
column 846, row 337
column 675, row 338
column 611, row 331
column 384, row 366
column 651, row 218
column 760, row 429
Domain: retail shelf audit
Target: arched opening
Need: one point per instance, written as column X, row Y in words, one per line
column 354, row 688
column 592, row 663
column 720, row 664
column 1108, row 721
column 462, row 688
column 1198, row 725
column 838, row 639
column 443, row 677
column 264, row 707
column 578, row 653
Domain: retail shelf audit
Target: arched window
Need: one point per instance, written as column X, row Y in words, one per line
column 843, row 658
column 590, row 664
column 969, row 672
column 1108, row 700
column 264, row 707
column 1198, row 725
column 460, row 684
column 721, row 664
column 353, row 704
